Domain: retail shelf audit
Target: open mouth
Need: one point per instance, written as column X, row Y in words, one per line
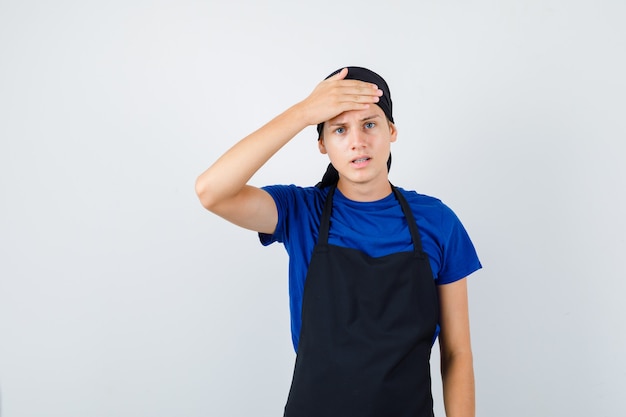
column 360, row 160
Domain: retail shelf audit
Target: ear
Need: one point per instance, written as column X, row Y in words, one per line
column 393, row 132
column 320, row 145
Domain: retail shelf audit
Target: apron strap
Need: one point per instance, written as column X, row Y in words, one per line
column 408, row 213
column 325, row 220
column 406, row 209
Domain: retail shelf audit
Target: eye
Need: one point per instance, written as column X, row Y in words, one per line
column 370, row 125
column 340, row 130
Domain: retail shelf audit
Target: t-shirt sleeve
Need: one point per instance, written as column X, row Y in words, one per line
column 282, row 196
column 459, row 257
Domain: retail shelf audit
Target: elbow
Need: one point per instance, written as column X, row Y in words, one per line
column 203, row 191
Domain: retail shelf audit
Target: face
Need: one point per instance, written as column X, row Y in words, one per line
column 358, row 145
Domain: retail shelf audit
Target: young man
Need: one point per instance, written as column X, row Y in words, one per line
column 376, row 272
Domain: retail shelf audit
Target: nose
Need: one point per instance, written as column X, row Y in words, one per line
column 357, row 139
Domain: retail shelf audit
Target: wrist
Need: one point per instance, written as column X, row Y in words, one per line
column 299, row 115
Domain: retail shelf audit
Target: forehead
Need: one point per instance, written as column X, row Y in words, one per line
column 357, row 115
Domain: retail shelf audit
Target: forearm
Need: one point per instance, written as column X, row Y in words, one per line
column 232, row 171
column 227, row 177
column 457, row 374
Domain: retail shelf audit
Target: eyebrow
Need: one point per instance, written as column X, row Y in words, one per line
column 366, row 118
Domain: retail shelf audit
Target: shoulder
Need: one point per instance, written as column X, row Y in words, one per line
column 414, row 197
column 438, row 222
column 291, row 194
column 299, row 209
column 436, row 218
column 295, row 189
column 428, row 206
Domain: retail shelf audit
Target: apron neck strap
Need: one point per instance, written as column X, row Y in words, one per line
column 325, row 220
column 408, row 214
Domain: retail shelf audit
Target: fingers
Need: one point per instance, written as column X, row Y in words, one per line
column 356, row 87
column 340, row 75
column 357, row 92
column 336, row 95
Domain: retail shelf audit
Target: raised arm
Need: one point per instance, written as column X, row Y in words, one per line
column 222, row 188
column 457, row 369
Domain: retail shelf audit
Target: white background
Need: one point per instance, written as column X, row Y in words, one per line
column 121, row 296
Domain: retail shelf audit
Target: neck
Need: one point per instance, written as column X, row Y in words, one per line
column 365, row 192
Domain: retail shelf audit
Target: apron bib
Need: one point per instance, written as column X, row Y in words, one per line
column 367, row 331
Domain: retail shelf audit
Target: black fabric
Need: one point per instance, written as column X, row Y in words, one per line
column 367, row 330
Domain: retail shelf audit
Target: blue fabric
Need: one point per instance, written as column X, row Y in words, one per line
column 377, row 228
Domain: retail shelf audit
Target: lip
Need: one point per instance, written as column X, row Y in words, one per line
column 361, row 161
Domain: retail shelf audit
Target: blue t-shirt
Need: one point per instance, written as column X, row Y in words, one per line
column 376, row 228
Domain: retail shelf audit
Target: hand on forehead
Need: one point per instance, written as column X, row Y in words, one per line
column 368, row 76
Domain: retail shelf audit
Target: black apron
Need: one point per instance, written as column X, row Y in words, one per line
column 367, row 331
